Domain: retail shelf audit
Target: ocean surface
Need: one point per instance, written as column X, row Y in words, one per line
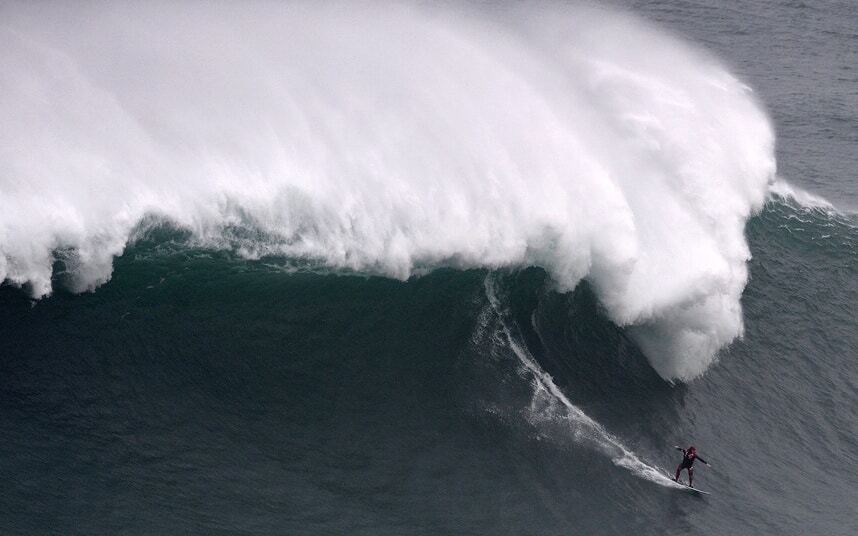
column 428, row 269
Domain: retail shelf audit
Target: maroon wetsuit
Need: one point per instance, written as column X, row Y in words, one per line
column 688, row 458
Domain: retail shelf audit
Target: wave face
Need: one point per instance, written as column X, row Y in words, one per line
column 549, row 407
column 200, row 392
column 390, row 140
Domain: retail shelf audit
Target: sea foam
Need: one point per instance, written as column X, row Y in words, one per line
column 390, row 139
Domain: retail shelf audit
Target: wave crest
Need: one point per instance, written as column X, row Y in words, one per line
column 391, row 140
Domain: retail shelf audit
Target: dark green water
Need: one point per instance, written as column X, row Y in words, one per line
column 198, row 392
column 201, row 393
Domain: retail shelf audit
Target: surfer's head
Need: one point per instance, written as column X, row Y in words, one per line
column 691, row 449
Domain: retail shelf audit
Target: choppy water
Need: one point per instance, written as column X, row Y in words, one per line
column 252, row 367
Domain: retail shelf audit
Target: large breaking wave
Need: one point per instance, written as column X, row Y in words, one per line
column 391, row 140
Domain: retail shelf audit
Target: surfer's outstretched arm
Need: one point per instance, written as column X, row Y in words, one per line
column 702, row 460
column 677, row 447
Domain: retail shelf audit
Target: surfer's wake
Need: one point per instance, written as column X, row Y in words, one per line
column 550, row 405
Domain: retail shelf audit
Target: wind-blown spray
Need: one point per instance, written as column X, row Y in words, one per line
column 390, row 139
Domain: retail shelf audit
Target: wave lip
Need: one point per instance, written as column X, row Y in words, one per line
column 390, row 140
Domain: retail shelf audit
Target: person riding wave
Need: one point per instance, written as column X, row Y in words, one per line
column 688, row 458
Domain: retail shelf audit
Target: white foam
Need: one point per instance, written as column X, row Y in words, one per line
column 390, row 139
column 804, row 198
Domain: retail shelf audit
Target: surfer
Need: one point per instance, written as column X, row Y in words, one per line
column 688, row 458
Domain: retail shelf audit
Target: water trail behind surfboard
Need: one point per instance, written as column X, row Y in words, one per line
column 550, row 405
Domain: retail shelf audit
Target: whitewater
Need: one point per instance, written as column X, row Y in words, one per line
column 389, row 140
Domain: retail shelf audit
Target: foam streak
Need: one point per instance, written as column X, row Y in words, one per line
column 550, row 403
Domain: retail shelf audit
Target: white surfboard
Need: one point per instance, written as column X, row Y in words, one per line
column 686, row 486
column 689, row 488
